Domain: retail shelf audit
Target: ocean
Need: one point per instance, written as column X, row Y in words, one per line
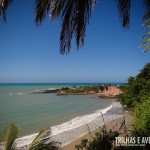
column 33, row 112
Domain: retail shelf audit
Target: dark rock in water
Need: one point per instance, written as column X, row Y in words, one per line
column 46, row 91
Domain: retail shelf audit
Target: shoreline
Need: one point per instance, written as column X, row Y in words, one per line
column 109, row 125
column 109, row 91
column 99, row 95
column 75, row 128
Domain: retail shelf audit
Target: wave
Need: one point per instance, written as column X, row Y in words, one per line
column 20, row 93
column 75, row 128
column 78, row 121
column 16, row 94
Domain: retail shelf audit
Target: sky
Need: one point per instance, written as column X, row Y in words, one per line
column 30, row 53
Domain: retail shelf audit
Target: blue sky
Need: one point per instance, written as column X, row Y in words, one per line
column 30, row 53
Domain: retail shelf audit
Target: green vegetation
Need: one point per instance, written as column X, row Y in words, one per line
column 103, row 140
column 84, row 89
column 141, row 122
column 9, row 135
column 137, row 89
column 146, row 37
column 41, row 142
column 136, row 95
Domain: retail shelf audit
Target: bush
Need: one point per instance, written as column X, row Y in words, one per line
column 102, row 140
column 137, row 89
column 141, row 124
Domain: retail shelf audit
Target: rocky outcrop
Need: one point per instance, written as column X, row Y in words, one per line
column 109, row 92
column 45, row 91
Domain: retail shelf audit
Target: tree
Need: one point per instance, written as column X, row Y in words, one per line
column 75, row 16
column 137, row 89
column 41, row 142
column 141, row 120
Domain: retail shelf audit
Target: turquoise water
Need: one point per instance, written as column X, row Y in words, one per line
column 33, row 112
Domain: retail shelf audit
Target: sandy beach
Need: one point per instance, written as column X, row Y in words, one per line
column 70, row 133
column 109, row 125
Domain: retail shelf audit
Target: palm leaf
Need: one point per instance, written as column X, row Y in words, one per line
column 146, row 37
column 146, row 15
column 3, row 7
column 124, row 11
column 42, row 7
column 9, row 135
column 147, row 27
column 147, row 6
column 43, row 141
column 145, row 42
column 147, row 48
column 56, row 9
column 75, row 16
column 94, row 3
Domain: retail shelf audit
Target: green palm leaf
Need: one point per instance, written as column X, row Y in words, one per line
column 146, row 37
column 145, row 42
column 9, row 135
column 43, row 142
column 147, row 48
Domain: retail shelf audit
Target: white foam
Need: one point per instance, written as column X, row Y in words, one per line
column 71, row 130
column 72, row 124
column 20, row 93
column 78, row 121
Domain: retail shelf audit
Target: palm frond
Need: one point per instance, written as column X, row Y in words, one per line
column 8, row 137
column 56, row 9
column 3, row 7
column 147, row 27
column 124, row 11
column 75, row 16
column 43, row 141
column 42, row 7
column 147, row 10
column 147, row 48
column 146, row 15
column 147, row 4
column 147, row 41
column 146, row 37
column 94, row 3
